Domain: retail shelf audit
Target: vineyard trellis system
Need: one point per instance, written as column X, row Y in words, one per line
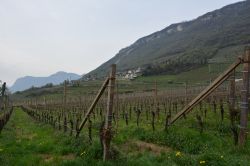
column 5, row 107
column 157, row 109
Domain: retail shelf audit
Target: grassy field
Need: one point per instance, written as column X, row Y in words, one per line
column 27, row 142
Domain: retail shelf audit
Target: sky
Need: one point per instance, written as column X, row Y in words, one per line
column 41, row 37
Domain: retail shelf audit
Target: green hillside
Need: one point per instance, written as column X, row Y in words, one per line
column 187, row 45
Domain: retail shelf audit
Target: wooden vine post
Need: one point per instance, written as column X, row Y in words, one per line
column 156, row 95
column 232, row 96
column 3, row 89
column 65, row 106
column 3, row 95
column 108, row 122
column 65, row 94
column 117, row 105
column 232, row 110
column 1, row 99
column 244, row 94
column 1, row 103
column 156, row 109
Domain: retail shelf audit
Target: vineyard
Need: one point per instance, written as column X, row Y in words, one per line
column 113, row 124
column 5, row 107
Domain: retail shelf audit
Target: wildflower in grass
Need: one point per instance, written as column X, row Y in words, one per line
column 83, row 153
column 178, row 154
column 202, row 162
column 222, row 157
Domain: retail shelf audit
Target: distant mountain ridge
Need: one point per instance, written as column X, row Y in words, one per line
column 186, row 45
column 29, row 81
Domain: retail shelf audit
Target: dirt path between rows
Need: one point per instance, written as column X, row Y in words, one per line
column 141, row 146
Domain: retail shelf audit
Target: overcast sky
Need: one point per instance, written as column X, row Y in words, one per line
column 41, row 37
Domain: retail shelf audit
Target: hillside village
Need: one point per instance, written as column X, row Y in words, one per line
column 127, row 75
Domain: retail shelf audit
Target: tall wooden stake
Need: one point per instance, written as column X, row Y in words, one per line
column 45, row 102
column 117, row 105
column 244, row 103
column 232, row 110
column 65, row 94
column 232, row 97
column 3, row 95
column 108, row 122
column 156, row 93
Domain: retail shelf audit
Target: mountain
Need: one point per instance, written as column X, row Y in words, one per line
column 29, row 81
column 187, row 45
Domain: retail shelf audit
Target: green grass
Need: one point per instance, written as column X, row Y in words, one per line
column 27, row 142
column 192, row 76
